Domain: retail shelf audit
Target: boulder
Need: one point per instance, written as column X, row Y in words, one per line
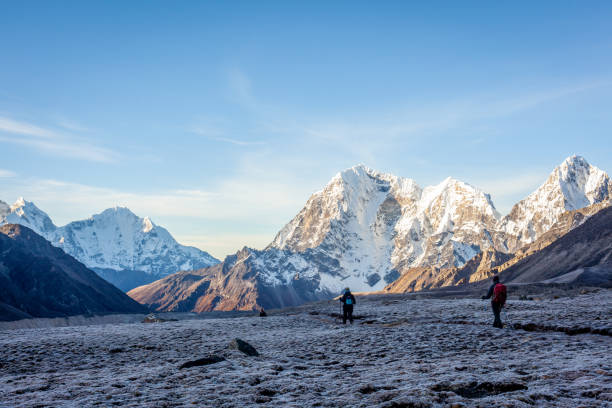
column 212, row 359
column 243, row 346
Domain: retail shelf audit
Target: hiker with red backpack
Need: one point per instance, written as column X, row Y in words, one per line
column 498, row 291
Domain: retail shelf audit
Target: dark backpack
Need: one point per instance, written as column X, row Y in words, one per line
column 499, row 294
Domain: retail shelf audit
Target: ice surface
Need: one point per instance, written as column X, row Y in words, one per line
column 402, row 350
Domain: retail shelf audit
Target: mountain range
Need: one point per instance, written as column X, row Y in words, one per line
column 123, row 248
column 365, row 229
column 40, row 280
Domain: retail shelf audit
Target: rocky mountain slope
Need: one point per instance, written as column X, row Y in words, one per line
column 491, row 262
column 573, row 185
column 422, row 278
column 241, row 282
column 366, row 228
column 123, row 248
column 586, row 246
column 40, row 280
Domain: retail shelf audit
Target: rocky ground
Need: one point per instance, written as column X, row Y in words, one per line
column 403, row 351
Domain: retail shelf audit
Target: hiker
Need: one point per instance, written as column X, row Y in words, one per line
column 262, row 313
column 498, row 291
column 348, row 300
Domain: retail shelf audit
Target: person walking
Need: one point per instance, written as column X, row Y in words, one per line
column 348, row 300
column 498, row 292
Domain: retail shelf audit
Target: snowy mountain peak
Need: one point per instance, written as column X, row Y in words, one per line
column 21, row 202
column 116, row 239
column 572, row 185
column 452, row 193
column 580, row 183
column 147, row 225
column 26, row 213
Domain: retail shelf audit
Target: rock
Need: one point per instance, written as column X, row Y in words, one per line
column 480, row 390
column 243, row 346
column 202, row 361
column 154, row 319
column 266, row 392
column 368, row 389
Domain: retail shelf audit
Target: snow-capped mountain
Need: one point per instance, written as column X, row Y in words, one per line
column 27, row 214
column 573, row 185
column 122, row 247
column 375, row 224
column 365, row 229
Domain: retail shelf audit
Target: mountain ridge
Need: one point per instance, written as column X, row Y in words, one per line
column 120, row 246
column 40, row 280
column 365, row 229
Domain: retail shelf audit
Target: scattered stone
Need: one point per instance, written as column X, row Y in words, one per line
column 262, row 400
column 368, row 389
column 532, row 327
column 243, row 346
column 154, row 319
column 407, row 404
column 266, row 392
column 480, row 390
column 116, row 350
column 202, row 361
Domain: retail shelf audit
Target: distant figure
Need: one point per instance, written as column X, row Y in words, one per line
column 498, row 291
column 262, row 313
column 348, row 300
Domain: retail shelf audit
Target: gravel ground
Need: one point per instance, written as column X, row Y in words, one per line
column 401, row 352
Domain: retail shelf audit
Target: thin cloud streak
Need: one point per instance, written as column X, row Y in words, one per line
column 238, row 142
column 365, row 137
column 22, row 128
column 53, row 143
column 7, row 173
column 215, row 132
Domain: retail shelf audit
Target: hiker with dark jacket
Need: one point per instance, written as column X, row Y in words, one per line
column 498, row 292
column 348, row 300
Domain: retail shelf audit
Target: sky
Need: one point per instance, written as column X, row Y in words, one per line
column 219, row 119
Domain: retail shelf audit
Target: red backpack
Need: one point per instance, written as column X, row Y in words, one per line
column 499, row 294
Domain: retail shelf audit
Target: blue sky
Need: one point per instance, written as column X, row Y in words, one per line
column 219, row 119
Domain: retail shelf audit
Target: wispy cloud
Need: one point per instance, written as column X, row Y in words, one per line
column 52, row 142
column 72, row 125
column 239, row 142
column 366, row 136
column 244, row 210
column 216, row 133
column 7, row 173
column 27, row 129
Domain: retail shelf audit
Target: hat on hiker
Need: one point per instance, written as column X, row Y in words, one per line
column 347, row 289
